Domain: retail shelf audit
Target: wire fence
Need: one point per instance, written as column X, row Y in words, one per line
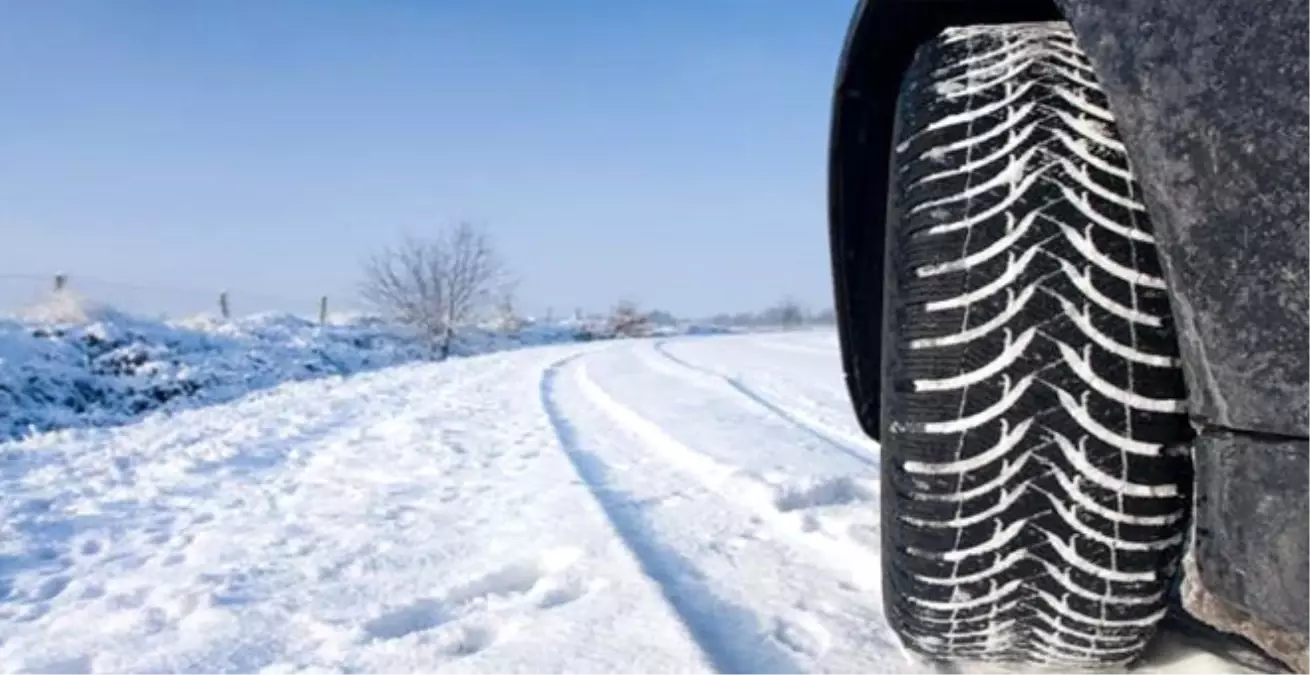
column 22, row 292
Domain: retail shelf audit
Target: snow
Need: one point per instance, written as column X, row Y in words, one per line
column 68, row 362
column 686, row 504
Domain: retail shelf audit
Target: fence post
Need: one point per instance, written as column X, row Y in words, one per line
column 322, row 311
column 222, row 305
column 61, row 281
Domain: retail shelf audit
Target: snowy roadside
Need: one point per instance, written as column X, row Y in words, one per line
column 400, row 521
column 108, row 368
column 635, row 506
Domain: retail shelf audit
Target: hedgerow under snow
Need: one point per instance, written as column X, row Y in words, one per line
column 69, row 365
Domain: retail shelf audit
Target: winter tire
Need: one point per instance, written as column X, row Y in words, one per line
column 1033, row 407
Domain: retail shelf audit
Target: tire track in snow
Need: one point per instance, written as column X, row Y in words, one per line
column 830, row 437
column 780, row 510
column 714, row 623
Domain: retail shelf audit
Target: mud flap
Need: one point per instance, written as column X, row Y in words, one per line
column 1245, row 571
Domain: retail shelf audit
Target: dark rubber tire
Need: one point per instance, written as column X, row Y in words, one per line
column 1033, row 423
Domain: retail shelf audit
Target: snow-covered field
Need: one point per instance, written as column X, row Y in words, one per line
column 685, row 504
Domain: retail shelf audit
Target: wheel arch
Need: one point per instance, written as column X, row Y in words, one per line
column 1212, row 140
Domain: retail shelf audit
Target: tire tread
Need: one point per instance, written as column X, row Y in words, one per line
column 1034, row 508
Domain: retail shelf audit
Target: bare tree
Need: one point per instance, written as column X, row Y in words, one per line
column 435, row 285
column 788, row 314
column 507, row 314
column 628, row 321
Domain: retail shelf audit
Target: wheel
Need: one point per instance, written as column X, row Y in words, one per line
column 1035, row 485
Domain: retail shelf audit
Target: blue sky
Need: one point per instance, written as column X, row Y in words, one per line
column 670, row 151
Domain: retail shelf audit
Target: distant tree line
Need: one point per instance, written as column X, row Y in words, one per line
column 787, row 313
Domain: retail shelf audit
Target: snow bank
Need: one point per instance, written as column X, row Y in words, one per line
column 113, row 369
column 70, row 365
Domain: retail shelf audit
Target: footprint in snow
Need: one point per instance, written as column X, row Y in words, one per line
column 802, row 633
column 45, row 554
column 556, row 594
column 421, row 615
column 539, row 582
column 475, row 637
column 34, row 506
column 51, row 588
column 91, row 547
column 30, row 613
column 834, row 491
column 129, row 601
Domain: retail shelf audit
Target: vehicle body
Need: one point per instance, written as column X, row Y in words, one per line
column 1210, row 99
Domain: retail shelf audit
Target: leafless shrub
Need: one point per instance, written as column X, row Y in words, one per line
column 437, row 284
column 626, row 320
column 788, row 313
column 507, row 316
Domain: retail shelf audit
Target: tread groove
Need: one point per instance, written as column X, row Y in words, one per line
column 1033, row 385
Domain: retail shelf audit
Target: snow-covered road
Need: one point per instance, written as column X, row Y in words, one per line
column 688, row 505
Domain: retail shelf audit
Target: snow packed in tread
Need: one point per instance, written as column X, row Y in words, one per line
column 1034, row 375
